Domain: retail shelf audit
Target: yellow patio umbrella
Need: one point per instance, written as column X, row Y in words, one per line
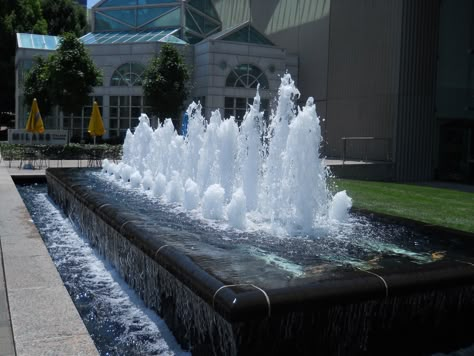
column 96, row 125
column 34, row 125
column 35, row 122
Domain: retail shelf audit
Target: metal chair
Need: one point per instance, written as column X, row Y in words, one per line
column 28, row 158
column 94, row 158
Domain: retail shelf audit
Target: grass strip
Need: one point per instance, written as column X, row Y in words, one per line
column 437, row 206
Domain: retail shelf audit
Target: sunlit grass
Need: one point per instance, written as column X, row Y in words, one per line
column 438, row 206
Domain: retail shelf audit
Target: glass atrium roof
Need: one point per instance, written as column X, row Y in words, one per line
column 32, row 41
column 132, row 37
column 29, row 40
column 196, row 19
column 243, row 32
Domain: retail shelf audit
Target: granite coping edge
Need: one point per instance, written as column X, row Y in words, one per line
column 12, row 273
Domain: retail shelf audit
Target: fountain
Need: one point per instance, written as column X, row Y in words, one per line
column 238, row 174
column 232, row 235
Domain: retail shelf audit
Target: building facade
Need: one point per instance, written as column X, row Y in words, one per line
column 392, row 79
column 226, row 64
column 395, row 75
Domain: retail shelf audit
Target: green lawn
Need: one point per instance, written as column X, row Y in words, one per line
column 444, row 207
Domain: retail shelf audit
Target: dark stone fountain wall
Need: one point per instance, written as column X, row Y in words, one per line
column 423, row 311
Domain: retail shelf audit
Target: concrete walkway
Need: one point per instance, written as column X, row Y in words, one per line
column 37, row 315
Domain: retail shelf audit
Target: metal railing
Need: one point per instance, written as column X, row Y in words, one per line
column 40, row 156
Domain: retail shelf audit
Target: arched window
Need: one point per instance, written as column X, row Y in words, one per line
column 246, row 76
column 128, row 75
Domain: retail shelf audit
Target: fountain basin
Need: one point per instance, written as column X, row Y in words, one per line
column 218, row 301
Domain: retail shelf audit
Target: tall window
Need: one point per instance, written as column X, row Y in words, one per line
column 237, row 107
column 246, row 76
column 128, row 74
column 124, row 113
column 78, row 125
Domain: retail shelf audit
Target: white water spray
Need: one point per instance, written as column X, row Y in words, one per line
column 238, row 174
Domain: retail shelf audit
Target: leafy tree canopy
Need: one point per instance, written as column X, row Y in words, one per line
column 7, row 58
column 26, row 17
column 15, row 16
column 64, row 16
column 31, row 16
column 165, row 82
column 66, row 78
column 73, row 74
column 38, row 84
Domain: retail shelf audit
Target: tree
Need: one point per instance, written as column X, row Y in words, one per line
column 64, row 16
column 73, row 74
column 38, row 84
column 165, row 82
column 31, row 16
column 27, row 17
column 65, row 78
column 15, row 16
column 7, row 60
